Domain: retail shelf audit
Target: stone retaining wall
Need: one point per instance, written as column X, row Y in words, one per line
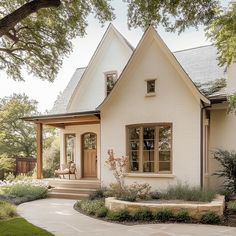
column 195, row 210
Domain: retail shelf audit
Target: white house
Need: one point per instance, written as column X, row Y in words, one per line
column 144, row 103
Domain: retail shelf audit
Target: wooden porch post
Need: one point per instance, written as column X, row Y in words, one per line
column 39, row 151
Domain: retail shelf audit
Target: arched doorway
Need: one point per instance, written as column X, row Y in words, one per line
column 89, row 155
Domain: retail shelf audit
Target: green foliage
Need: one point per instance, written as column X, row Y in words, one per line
column 51, row 158
column 211, row 87
column 6, row 165
column 232, row 103
column 101, row 212
column 7, row 210
column 222, row 31
column 17, row 137
column 98, row 194
column 163, row 216
column 20, row 227
column 120, row 215
column 155, row 195
column 91, row 206
column 187, row 193
column 210, row 218
column 173, row 15
column 142, row 214
column 182, row 216
column 40, row 41
column 231, row 205
column 228, row 168
column 23, row 192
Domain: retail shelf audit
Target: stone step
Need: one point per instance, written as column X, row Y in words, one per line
column 74, row 196
column 72, row 190
column 84, row 184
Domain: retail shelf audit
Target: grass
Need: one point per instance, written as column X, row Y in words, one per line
column 7, row 210
column 187, row 193
column 232, row 206
column 20, row 227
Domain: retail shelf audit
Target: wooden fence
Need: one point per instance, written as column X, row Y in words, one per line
column 24, row 165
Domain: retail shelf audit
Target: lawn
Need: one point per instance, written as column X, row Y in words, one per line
column 20, row 227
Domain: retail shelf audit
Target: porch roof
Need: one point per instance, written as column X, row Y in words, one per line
column 62, row 120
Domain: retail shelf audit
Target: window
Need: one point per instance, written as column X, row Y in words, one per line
column 110, row 81
column 150, row 148
column 151, row 86
column 69, row 148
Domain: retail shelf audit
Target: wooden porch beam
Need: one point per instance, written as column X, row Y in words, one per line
column 39, row 151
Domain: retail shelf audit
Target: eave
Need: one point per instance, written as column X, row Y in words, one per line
column 67, row 119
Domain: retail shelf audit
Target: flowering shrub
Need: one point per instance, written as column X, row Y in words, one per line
column 118, row 167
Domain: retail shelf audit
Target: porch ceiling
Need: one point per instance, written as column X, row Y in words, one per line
column 62, row 120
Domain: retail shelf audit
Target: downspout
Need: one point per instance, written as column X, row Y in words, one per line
column 201, row 143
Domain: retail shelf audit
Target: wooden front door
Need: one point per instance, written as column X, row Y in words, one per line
column 89, row 151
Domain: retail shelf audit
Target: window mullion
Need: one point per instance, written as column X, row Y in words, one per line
column 156, row 149
column 141, row 150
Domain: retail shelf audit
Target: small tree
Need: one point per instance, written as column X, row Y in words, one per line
column 118, row 167
column 228, row 171
column 6, row 165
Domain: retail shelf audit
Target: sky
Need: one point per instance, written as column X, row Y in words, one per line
column 83, row 48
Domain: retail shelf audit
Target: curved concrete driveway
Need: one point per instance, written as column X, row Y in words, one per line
column 59, row 217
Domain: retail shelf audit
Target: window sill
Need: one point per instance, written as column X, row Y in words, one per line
column 151, row 175
column 150, row 95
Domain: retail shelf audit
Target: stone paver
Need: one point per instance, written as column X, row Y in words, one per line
column 59, row 217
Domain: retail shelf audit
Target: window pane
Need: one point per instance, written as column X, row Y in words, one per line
column 134, row 145
column 134, row 133
column 134, row 166
column 164, row 138
column 151, row 86
column 164, row 155
column 164, row 166
column 148, row 167
column 70, row 147
column 90, row 141
column 110, row 81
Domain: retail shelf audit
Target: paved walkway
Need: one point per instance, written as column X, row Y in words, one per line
column 59, row 217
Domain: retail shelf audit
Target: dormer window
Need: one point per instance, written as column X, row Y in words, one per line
column 111, row 78
column 151, row 87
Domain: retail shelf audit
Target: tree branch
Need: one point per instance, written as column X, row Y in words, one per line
column 9, row 22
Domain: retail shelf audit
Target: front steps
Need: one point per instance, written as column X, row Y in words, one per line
column 72, row 189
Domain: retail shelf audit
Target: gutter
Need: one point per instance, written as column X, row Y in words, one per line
column 201, row 143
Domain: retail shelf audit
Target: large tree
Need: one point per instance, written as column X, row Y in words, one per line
column 17, row 137
column 36, row 34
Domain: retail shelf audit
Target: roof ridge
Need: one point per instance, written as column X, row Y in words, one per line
column 188, row 49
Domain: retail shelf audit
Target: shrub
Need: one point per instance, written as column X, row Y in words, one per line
column 155, row 195
column 232, row 206
column 163, row 216
column 119, row 215
column 98, row 194
column 102, row 212
column 129, row 192
column 7, row 210
column 90, row 206
column 182, row 216
column 143, row 214
column 210, row 218
column 228, row 168
column 187, row 193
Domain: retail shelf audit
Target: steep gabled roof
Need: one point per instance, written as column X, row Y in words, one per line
column 62, row 101
column 92, row 62
column 201, row 63
column 151, row 32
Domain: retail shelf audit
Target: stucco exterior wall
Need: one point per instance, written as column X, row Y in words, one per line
column 79, row 130
column 231, row 79
column 112, row 56
column 223, row 136
column 173, row 103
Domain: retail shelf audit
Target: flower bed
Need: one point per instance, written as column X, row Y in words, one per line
column 195, row 209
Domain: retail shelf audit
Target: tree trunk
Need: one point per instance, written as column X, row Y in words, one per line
column 9, row 22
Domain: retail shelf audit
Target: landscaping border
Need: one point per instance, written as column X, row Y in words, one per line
column 195, row 210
